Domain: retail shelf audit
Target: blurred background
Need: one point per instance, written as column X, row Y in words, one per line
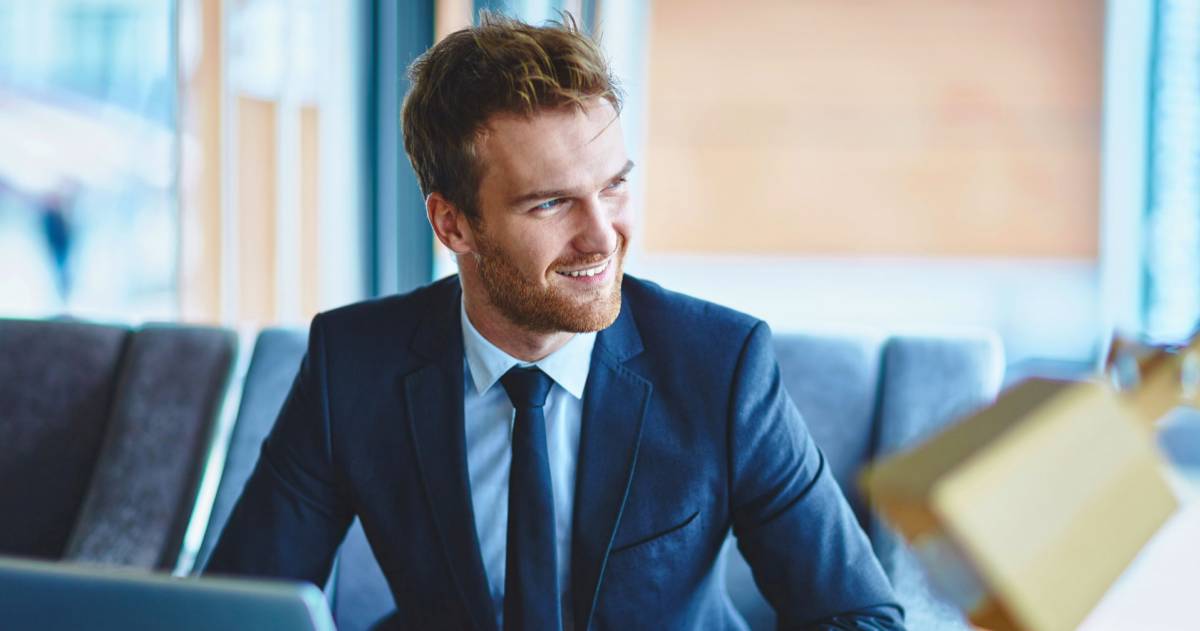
column 1027, row 167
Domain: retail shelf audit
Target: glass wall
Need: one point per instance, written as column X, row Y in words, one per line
column 271, row 203
column 196, row 160
column 1172, row 253
column 88, row 155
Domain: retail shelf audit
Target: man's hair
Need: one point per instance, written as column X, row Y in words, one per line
column 500, row 66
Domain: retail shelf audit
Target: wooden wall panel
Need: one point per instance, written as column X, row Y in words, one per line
column 310, row 196
column 256, row 208
column 915, row 127
column 200, row 95
column 451, row 15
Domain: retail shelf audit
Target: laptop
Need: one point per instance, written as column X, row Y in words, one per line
column 42, row 596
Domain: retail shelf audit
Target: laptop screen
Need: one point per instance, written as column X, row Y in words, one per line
column 55, row 596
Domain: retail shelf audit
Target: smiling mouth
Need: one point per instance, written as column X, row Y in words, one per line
column 587, row 271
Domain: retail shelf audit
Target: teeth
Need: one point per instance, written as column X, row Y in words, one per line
column 586, row 272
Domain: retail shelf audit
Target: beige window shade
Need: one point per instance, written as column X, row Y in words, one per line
column 923, row 127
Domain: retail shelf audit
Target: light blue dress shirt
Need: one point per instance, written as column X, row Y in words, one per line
column 489, row 416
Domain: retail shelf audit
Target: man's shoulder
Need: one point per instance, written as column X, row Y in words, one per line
column 687, row 319
column 397, row 314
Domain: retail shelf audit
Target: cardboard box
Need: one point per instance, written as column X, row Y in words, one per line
column 1026, row 512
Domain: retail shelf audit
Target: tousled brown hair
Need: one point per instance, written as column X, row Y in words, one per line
column 500, row 66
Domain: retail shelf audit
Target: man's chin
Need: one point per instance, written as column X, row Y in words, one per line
column 600, row 310
column 596, row 320
column 577, row 314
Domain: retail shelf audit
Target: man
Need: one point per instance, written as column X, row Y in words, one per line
column 543, row 441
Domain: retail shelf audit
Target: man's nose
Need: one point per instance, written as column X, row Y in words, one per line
column 597, row 232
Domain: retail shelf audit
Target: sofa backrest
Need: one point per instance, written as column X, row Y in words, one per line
column 57, row 381
column 108, row 430
column 273, row 368
column 929, row 382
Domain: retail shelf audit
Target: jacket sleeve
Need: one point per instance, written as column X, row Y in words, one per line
column 291, row 517
column 807, row 552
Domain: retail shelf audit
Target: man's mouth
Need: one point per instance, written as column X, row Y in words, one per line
column 586, row 272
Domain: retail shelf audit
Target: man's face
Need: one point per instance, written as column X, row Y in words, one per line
column 553, row 218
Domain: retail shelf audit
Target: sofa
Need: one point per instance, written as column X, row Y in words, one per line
column 106, row 432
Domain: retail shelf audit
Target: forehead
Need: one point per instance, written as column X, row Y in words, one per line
column 560, row 149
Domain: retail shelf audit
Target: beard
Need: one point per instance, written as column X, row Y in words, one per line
column 528, row 304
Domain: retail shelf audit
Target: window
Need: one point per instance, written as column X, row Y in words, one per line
column 1172, row 253
column 87, row 159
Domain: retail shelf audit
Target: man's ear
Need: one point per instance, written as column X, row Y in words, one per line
column 449, row 224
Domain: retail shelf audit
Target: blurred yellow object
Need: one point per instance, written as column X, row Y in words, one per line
column 1026, row 512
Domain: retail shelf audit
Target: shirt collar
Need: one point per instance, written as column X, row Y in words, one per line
column 567, row 366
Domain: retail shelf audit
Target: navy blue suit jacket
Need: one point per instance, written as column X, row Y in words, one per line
column 687, row 432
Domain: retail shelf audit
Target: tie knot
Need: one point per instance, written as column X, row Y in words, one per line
column 526, row 387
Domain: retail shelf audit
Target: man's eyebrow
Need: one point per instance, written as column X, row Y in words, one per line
column 623, row 172
column 552, row 193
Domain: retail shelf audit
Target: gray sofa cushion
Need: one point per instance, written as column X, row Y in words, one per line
column 928, row 383
column 57, row 381
column 107, row 431
column 273, row 367
column 146, row 478
column 931, row 381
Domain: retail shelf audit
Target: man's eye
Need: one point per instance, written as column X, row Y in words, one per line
column 550, row 204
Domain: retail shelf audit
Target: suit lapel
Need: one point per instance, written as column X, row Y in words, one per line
column 614, row 408
column 434, row 396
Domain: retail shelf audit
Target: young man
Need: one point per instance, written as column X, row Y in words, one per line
column 543, row 442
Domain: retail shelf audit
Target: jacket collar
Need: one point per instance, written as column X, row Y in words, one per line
column 621, row 340
column 614, row 417
column 439, row 337
column 433, row 395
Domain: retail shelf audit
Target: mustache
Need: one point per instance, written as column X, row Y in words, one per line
column 589, row 259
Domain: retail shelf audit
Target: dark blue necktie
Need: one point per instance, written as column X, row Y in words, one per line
column 531, row 599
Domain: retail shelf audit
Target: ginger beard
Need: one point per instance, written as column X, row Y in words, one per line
column 546, row 309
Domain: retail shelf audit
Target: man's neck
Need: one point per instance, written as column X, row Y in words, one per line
column 525, row 345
